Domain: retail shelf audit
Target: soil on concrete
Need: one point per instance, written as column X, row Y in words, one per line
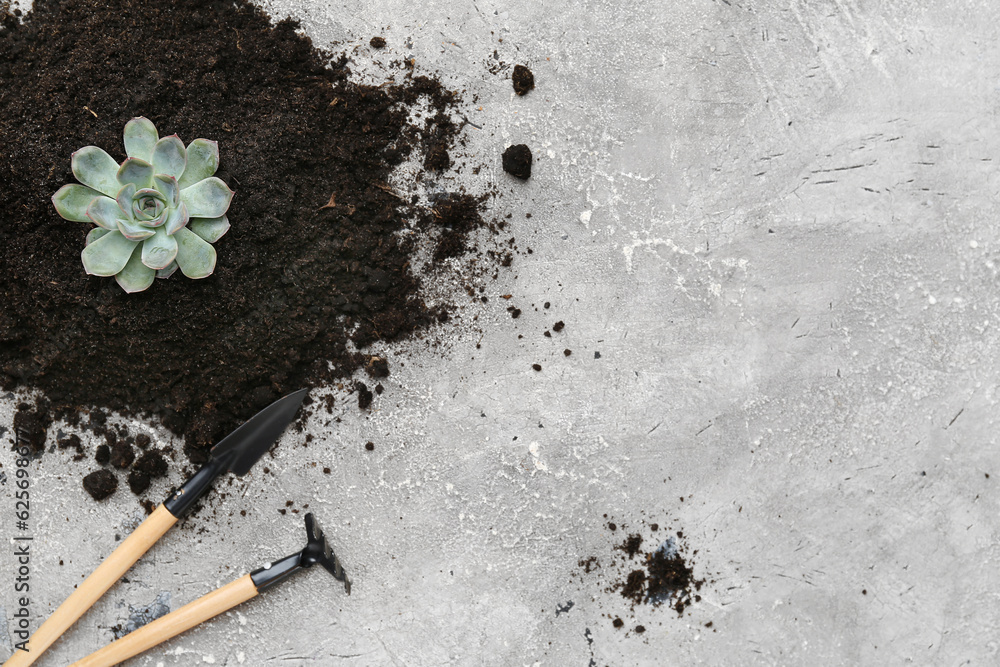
column 517, row 161
column 317, row 263
column 100, row 484
column 523, row 79
column 663, row 575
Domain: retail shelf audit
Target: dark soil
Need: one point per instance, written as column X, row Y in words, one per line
column 517, row 161
column 631, row 545
column 102, row 454
column 122, row 455
column 377, row 42
column 523, row 79
column 138, row 481
column 100, row 484
column 312, row 263
column 664, row 576
column 365, row 396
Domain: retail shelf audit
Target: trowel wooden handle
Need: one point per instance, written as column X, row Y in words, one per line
column 172, row 624
column 100, row 580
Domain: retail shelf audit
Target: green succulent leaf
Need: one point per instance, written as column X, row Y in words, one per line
column 167, row 186
column 96, row 233
column 195, row 256
column 167, row 272
column 136, row 276
column 169, row 156
column 140, row 138
column 149, row 207
column 202, row 162
column 107, row 255
column 94, row 167
column 177, row 219
column 71, row 201
column 159, row 250
column 133, row 230
column 104, row 212
column 137, row 171
column 124, row 199
column 209, row 198
column 210, row 229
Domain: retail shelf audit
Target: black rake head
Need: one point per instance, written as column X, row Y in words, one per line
column 318, row 550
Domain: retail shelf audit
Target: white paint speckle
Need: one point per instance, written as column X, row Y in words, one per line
column 585, row 218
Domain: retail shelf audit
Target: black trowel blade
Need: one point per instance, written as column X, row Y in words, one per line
column 244, row 446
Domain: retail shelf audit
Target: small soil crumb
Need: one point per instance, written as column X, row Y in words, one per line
column 589, row 564
column 377, row 42
column 631, row 545
column 103, row 454
column 72, row 441
column 370, row 446
column 537, row 367
column 365, row 395
column 456, row 215
column 524, row 80
column 671, row 580
column 142, row 441
column 617, row 622
column 138, row 481
column 437, row 158
column 558, row 326
column 567, row 352
column 517, row 161
column 634, row 588
column 514, row 312
column 122, row 455
column 377, row 367
column 640, row 629
column 612, row 526
column 100, row 484
column 326, row 471
column 152, row 464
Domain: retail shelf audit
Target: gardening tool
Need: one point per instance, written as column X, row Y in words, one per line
column 208, row 606
column 237, row 452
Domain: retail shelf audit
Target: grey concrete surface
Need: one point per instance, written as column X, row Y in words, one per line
column 777, row 224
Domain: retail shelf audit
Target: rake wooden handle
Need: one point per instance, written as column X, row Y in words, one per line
column 99, row 581
column 171, row 625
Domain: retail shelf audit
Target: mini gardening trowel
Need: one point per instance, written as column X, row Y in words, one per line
column 317, row 551
column 237, row 452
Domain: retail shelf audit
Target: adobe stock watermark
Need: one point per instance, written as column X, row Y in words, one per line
column 22, row 543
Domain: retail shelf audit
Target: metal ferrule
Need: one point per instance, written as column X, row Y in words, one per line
column 275, row 573
column 183, row 499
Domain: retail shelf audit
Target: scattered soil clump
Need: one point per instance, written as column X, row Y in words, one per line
column 365, row 396
column 100, row 484
column 122, row 455
column 517, row 161
column 523, row 79
column 664, row 575
column 377, row 42
column 314, row 265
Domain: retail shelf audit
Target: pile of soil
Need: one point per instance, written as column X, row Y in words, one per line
column 319, row 256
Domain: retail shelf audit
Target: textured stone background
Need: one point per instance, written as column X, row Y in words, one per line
column 776, row 222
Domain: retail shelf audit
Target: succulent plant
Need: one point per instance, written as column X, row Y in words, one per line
column 159, row 210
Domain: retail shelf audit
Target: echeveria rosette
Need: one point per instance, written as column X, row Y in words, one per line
column 159, row 210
